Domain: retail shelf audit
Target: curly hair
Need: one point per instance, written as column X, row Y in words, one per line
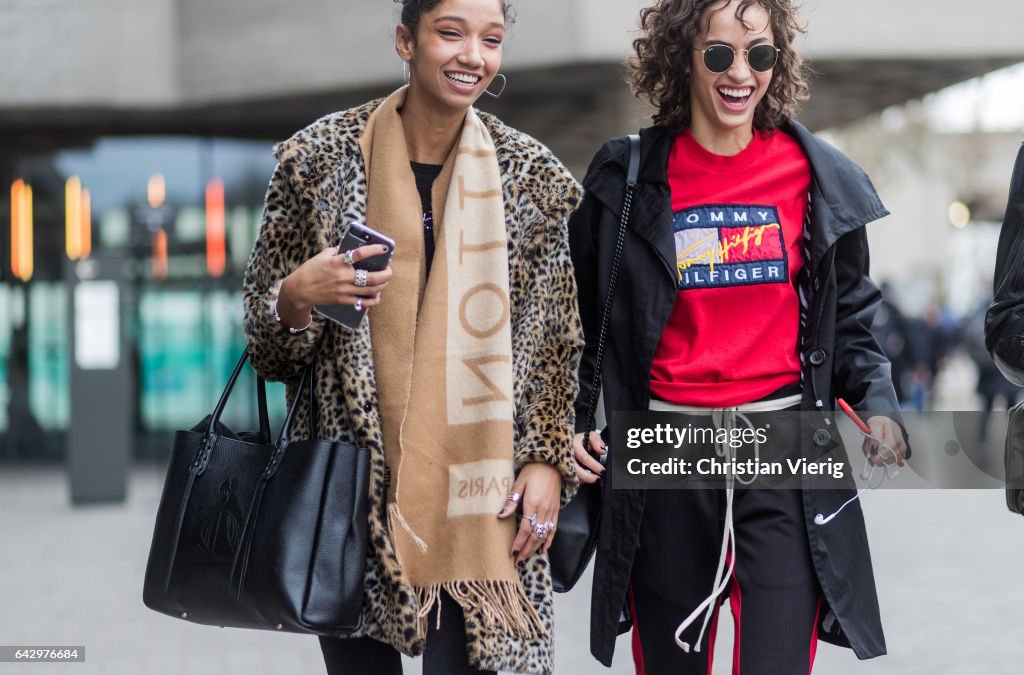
column 413, row 9
column 660, row 69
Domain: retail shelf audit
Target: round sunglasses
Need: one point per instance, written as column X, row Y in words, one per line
column 719, row 58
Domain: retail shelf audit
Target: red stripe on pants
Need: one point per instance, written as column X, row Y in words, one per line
column 814, row 638
column 736, row 606
column 638, row 652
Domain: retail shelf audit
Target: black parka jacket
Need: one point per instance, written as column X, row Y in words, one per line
column 1004, row 321
column 838, row 353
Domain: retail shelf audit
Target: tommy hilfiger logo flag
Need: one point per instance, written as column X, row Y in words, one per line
column 732, row 245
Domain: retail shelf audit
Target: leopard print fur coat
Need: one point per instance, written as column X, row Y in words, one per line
column 319, row 186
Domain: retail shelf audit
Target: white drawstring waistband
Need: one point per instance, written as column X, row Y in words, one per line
column 722, row 418
column 773, row 405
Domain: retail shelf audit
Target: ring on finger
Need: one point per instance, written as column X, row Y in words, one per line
column 359, row 305
column 346, row 257
column 514, row 497
column 360, row 279
column 540, row 532
column 533, row 520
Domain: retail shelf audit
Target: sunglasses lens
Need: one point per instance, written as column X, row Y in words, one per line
column 762, row 57
column 718, row 58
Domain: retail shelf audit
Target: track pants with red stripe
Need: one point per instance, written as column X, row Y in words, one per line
column 774, row 593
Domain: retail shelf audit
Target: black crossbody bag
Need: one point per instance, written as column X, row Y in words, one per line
column 579, row 520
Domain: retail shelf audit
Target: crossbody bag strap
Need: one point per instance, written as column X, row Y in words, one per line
column 632, row 174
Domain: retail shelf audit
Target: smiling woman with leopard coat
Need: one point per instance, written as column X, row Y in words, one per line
column 461, row 378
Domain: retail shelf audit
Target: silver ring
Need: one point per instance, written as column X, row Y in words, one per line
column 359, row 305
column 514, row 497
column 360, row 279
column 533, row 520
column 549, row 526
column 346, row 257
column 540, row 532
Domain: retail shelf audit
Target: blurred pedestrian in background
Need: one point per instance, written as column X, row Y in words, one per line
column 928, row 344
column 915, row 345
column 461, row 383
column 890, row 329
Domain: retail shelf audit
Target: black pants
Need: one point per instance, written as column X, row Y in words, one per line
column 774, row 592
column 445, row 653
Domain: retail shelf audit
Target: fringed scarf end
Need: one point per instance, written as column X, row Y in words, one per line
column 501, row 603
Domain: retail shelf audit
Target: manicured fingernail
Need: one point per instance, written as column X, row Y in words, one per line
column 520, row 563
column 515, row 554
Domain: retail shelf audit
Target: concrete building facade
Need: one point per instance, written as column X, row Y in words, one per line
column 263, row 68
column 81, row 76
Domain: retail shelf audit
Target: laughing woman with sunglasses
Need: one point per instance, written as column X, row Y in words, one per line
column 743, row 287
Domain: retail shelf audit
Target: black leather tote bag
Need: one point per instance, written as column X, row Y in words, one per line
column 258, row 534
column 576, row 538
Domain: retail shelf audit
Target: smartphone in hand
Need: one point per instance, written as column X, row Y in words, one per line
column 356, row 236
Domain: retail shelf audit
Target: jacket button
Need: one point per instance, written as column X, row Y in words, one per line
column 817, row 357
column 322, row 205
column 817, row 285
column 821, row 438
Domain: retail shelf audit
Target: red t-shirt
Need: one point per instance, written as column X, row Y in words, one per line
column 738, row 222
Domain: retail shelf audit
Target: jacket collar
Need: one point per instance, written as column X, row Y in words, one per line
column 655, row 147
column 842, row 196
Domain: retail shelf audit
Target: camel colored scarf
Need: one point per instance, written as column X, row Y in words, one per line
column 443, row 358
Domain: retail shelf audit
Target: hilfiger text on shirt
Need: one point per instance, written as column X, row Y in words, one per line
column 729, row 245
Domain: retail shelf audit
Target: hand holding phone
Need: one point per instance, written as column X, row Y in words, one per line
column 358, row 236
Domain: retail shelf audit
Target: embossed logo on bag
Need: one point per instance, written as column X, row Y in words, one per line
column 478, row 488
column 219, row 530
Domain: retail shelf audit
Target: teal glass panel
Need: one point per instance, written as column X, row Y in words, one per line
column 189, row 342
column 6, row 314
column 173, row 379
column 48, row 366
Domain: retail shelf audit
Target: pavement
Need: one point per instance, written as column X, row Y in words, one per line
column 948, row 565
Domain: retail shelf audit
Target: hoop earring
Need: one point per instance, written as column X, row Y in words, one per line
column 405, row 71
column 504, row 83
